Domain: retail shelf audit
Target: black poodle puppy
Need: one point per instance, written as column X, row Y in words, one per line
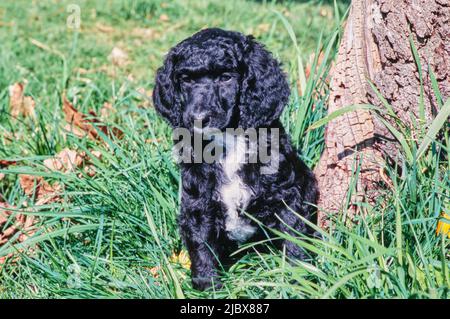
column 226, row 81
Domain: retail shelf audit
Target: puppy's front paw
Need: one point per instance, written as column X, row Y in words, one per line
column 203, row 283
column 294, row 252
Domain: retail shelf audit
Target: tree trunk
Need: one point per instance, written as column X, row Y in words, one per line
column 376, row 47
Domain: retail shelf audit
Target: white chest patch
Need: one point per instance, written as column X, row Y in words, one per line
column 235, row 194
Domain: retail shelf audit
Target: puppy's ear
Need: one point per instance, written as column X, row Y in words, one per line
column 265, row 90
column 165, row 97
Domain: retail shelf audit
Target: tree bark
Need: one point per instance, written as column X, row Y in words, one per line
column 376, row 47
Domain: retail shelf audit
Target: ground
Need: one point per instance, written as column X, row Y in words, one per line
column 89, row 190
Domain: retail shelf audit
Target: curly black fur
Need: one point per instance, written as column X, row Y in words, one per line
column 229, row 80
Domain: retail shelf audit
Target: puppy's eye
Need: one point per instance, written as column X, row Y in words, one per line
column 225, row 77
column 186, row 78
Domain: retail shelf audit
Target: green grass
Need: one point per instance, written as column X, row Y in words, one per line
column 112, row 229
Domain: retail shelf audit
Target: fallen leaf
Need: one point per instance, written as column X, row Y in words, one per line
column 18, row 103
column 65, row 161
column 106, row 110
column 11, row 226
column 154, row 271
column 6, row 163
column 90, row 170
column 118, row 57
column 28, row 183
column 326, row 12
column 7, row 24
column 286, row 12
column 103, row 68
column 9, row 137
column 77, row 119
column 3, row 213
column 145, row 96
column 74, row 130
column 104, row 28
column 70, row 160
column 263, row 27
column 23, row 223
column 145, row 33
column 310, row 71
column 164, row 18
column 309, row 65
column 82, row 125
column 42, row 191
column 97, row 154
column 153, row 140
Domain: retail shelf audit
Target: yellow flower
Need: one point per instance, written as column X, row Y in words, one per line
column 443, row 225
column 182, row 258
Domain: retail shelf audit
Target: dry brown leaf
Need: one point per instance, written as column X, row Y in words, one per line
column 97, row 154
column 286, row 12
column 3, row 214
column 153, row 140
column 145, row 95
column 154, row 271
column 4, row 164
column 326, row 12
column 7, row 24
column 29, row 183
column 9, row 137
column 309, row 69
column 310, row 63
column 43, row 191
column 118, row 57
column 18, row 103
column 21, row 224
column 74, row 130
column 24, row 225
column 90, row 170
column 164, row 18
column 78, row 120
column 263, row 28
column 103, row 68
column 145, row 33
column 69, row 160
column 81, row 125
column 49, row 194
column 104, row 28
column 106, row 110
column 65, row 161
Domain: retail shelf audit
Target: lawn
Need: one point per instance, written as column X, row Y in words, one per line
column 103, row 225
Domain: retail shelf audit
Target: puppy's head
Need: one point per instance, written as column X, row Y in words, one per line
column 222, row 79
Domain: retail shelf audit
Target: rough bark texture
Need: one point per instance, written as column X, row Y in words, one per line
column 376, row 46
